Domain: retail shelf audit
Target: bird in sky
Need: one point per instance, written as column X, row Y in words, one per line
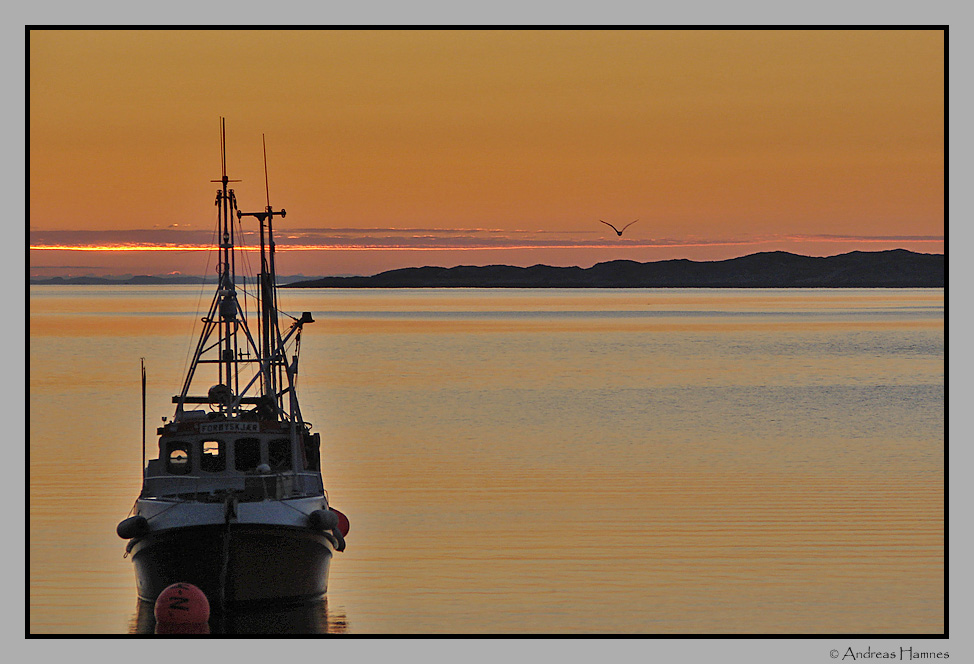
column 618, row 232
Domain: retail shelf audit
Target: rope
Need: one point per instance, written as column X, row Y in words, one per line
column 225, row 567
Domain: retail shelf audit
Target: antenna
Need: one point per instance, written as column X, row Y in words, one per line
column 270, row 335
column 223, row 152
column 266, row 190
column 223, row 144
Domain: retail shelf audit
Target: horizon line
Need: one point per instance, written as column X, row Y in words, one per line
column 325, row 276
column 624, row 244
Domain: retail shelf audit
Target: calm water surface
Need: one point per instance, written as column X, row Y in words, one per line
column 538, row 461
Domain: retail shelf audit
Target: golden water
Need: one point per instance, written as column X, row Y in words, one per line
column 542, row 462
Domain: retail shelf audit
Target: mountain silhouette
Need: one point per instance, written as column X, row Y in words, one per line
column 897, row 268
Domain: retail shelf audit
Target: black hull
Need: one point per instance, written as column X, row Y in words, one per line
column 235, row 565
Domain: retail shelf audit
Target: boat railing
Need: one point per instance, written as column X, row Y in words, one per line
column 248, row 488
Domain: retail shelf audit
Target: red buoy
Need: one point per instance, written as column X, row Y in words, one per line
column 183, row 604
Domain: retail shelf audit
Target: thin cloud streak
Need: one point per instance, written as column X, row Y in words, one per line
column 863, row 238
column 418, row 239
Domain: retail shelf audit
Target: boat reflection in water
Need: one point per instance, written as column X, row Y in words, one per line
column 307, row 618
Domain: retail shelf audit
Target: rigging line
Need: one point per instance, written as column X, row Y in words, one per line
column 242, row 242
column 199, row 302
column 176, row 504
column 246, row 265
column 286, row 504
column 248, row 269
column 243, row 260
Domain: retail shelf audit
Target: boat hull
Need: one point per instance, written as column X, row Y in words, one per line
column 235, row 564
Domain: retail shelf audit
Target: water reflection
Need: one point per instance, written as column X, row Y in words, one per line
column 310, row 618
column 747, row 473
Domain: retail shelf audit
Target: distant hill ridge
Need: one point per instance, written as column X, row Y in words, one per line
column 896, row 268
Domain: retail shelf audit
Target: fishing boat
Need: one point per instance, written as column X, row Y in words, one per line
column 234, row 502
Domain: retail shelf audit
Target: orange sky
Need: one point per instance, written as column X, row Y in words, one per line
column 397, row 148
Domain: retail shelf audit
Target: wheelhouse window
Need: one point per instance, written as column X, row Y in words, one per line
column 214, row 456
column 246, row 454
column 312, row 451
column 279, row 454
column 177, row 458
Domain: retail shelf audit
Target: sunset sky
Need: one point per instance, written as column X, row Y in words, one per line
column 405, row 148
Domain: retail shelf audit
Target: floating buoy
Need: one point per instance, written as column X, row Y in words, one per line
column 182, row 604
column 134, row 526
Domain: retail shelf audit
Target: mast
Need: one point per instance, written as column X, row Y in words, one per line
column 227, row 201
column 274, row 324
column 226, row 340
column 279, row 375
column 224, row 320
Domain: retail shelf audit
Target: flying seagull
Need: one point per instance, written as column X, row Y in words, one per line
column 618, row 232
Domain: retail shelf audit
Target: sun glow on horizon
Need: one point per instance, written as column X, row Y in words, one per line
column 365, row 246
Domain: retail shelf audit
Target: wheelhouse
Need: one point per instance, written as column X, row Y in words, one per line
column 250, row 460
